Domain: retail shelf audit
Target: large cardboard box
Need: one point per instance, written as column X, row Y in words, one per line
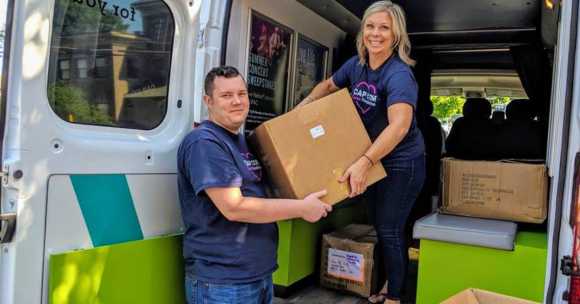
column 348, row 260
column 309, row 148
column 479, row 296
column 499, row 190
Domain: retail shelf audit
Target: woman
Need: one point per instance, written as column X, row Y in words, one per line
column 384, row 91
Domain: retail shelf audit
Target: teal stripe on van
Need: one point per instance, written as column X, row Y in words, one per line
column 107, row 207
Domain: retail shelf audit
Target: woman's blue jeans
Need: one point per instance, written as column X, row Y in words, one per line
column 390, row 201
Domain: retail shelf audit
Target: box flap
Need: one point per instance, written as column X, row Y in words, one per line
column 488, row 297
column 465, row 297
column 480, row 296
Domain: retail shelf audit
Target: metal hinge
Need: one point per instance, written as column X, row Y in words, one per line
column 7, row 227
column 4, row 174
column 8, row 219
column 567, row 266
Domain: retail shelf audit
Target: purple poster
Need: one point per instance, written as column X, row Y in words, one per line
column 267, row 69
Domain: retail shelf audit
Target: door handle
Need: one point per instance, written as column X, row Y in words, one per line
column 7, row 227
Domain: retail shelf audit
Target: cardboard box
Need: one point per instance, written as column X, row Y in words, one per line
column 308, row 149
column 348, row 260
column 498, row 190
column 479, row 296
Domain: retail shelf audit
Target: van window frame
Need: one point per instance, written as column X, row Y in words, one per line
column 72, row 72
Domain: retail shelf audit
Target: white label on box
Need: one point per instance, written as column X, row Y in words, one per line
column 345, row 265
column 317, row 131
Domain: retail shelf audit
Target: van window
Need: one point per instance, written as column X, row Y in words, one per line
column 110, row 62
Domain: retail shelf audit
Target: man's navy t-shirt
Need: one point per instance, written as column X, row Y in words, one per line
column 373, row 91
column 215, row 249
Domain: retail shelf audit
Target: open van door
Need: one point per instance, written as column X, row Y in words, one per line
column 564, row 151
column 98, row 96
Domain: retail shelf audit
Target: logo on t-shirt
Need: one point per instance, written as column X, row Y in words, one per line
column 365, row 96
column 253, row 164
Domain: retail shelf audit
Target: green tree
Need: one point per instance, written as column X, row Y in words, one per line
column 497, row 100
column 71, row 105
column 445, row 107
column 75, row 18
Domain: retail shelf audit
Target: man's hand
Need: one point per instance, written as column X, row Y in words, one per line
column 313, row 208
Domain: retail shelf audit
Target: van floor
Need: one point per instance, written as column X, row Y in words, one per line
column 320, row 295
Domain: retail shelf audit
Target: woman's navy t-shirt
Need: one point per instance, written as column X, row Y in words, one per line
column 215, row 249
column 373, row 91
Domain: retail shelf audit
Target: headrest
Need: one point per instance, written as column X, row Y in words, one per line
column 498, row 116
column 519, row 109
column 476, row 108
column 428, row 108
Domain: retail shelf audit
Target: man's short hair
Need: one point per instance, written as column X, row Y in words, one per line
column 221, row 71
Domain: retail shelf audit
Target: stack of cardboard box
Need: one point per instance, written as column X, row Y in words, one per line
column 348, row 260
column 513, row 191
column 478, row 244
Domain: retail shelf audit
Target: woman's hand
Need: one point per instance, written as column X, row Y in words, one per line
column 304, row 101
column 356, row 175
column 322, row 89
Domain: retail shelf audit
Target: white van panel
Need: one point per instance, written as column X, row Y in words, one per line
column 156, row 203
column 209, row 46
column 61, row 234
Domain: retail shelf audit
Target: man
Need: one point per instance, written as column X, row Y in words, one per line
column 231, row 237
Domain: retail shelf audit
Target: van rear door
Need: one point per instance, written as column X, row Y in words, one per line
column 98, row 98
column 563, row 149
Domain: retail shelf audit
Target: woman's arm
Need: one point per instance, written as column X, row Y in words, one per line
column 400, row 117
column 320, row 90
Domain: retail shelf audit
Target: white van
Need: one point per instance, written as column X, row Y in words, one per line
column 97, row 95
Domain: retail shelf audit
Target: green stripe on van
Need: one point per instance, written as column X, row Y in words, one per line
column 143, row 272
column 107, row 207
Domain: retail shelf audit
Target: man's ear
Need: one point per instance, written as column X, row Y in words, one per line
column 207, row 100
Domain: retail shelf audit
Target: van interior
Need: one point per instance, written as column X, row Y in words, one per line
column 475, row 51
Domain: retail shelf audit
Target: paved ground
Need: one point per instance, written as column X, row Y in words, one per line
column 320, row 295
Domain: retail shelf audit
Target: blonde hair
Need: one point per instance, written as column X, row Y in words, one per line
column 401, row 44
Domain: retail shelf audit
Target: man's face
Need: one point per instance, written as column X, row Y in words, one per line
column 229, row 103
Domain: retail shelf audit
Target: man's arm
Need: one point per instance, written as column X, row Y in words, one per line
column 235, row 207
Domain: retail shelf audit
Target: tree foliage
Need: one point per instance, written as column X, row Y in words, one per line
column 497, row 100
column 71, row 105
column 445, row 107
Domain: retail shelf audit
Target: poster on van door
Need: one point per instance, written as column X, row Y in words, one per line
column 268, row 66
column 310, row 67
